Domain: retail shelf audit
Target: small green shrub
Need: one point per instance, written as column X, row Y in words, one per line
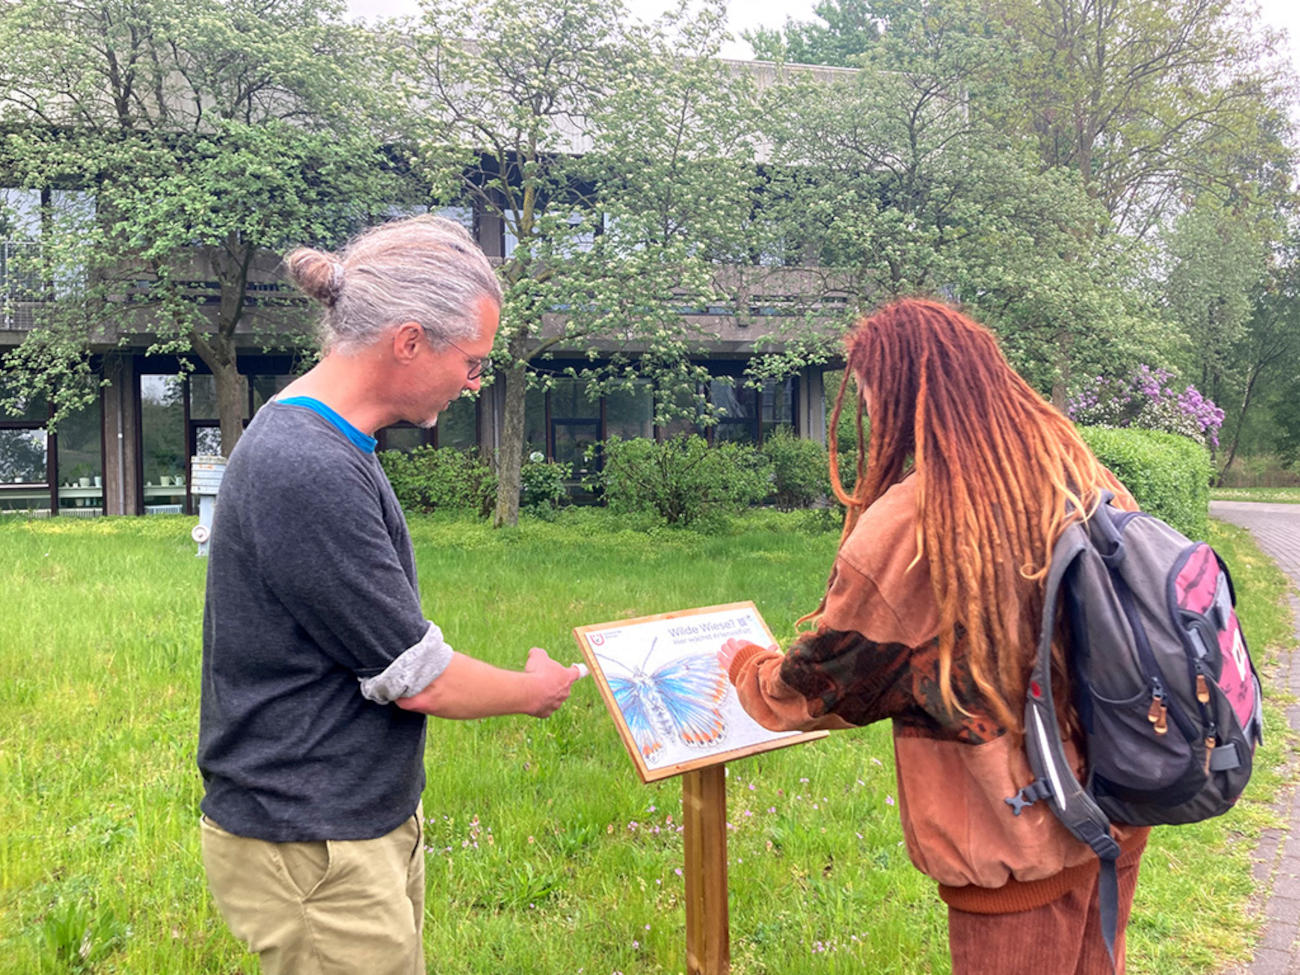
column 682, row 480
column 1169, row 475
column 542, row 484
column 430, row 479
column 799, row 469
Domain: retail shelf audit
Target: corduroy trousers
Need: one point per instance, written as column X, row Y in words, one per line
column 1062, row 937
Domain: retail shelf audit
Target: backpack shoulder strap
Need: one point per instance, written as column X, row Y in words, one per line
column 1055, row 778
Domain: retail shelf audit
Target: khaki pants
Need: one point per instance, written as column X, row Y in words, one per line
column 328, row 908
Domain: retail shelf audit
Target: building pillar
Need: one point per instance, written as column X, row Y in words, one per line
column 492, row 408
column 812, row 404
column 121, row 425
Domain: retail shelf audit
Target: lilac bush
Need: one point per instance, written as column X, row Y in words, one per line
column 1147, row 399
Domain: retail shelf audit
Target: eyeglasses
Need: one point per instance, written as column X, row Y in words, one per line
column 477, row 366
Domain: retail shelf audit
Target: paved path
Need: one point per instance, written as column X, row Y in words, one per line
column 1276, row 528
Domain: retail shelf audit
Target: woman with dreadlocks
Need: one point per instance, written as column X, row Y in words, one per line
column 931, row 619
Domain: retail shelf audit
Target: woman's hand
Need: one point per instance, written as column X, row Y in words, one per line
column 731, row 647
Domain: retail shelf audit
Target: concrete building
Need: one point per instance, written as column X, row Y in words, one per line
column 128, row 451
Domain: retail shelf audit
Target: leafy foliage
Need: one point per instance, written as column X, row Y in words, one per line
column 841, row 34
column 543, row 484
column 799, row 478
column 440, row 479
column 1169, row 475
column 682, row 480
column 175, row 134
column 615, row 160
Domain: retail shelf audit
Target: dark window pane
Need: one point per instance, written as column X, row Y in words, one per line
column 677, row 411
column 458, row 424
column 630, row 413
column 571, row 400
column 402, row 438
column 162, row 427
column 264, row 387
column 777, row 405
column 203, row 397
column 79, row 445
column 737, row 406
column 535, row 420
column 740, row 431
column 29, row 407
column 23, row 456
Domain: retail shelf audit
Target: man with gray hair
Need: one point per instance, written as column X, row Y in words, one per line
column 318, row 664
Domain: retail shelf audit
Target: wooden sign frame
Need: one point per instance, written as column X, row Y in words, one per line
column 742, row 619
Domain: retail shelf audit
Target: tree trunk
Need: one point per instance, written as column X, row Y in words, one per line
column 230, row 263
column 218, row 353
column 231, row 401
column 510, row 458
column 1236, row 433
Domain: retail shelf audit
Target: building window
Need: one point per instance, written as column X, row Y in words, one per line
column 458, row 424
column 737, row 403
column 36, row 465
column 24, row 455
column 682, row 408
column 163, row 452
column 574, row 424
column 262, row 388
column 776, row 407
column 630, row 413
column 535, row 421
column 404, row 437
column 81, row 461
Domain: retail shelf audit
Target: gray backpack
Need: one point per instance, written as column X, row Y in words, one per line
column 1166, row 693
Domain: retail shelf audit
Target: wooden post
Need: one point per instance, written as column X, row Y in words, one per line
column 704, row 820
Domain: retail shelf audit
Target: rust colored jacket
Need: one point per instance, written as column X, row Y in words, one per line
column 875, row 655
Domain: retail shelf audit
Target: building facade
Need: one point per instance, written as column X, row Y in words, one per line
column 128, row 451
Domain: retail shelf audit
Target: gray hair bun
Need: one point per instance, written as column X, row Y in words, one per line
column 318, row 274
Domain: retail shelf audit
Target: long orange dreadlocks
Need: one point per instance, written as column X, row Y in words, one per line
column 996, row 465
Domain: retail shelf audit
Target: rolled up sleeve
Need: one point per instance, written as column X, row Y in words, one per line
column 414, row 669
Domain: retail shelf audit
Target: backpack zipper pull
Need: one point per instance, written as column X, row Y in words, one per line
column 1209, row 750
column 1156, row 713
column 1202, row 689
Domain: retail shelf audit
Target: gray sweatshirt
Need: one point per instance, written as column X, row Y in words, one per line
column 311, row 627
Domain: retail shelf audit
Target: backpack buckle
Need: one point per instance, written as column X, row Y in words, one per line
column 1030, row 794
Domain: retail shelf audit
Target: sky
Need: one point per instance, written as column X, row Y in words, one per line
column 748, row 14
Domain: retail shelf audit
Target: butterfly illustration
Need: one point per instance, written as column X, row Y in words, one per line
column 679, row 699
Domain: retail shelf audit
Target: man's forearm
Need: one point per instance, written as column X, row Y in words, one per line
column 469, row 688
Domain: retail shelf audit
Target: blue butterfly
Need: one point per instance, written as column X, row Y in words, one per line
column 679, row 699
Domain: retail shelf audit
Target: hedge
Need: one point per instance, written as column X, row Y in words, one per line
column 440, row 479
column 1169, row 475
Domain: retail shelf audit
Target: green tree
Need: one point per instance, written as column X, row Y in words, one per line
column 1146, row 102
column 904, row 175
column 206, row 136
column 843, row 31
column 1264, row 367
column 615, row 161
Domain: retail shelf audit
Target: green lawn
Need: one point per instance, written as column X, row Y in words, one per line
column 1282, row 495
column 546, row 854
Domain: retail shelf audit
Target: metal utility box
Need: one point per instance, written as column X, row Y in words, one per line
column 206, row 472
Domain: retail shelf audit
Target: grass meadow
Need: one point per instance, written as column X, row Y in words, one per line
column 1273, row 495
column 545, row 852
